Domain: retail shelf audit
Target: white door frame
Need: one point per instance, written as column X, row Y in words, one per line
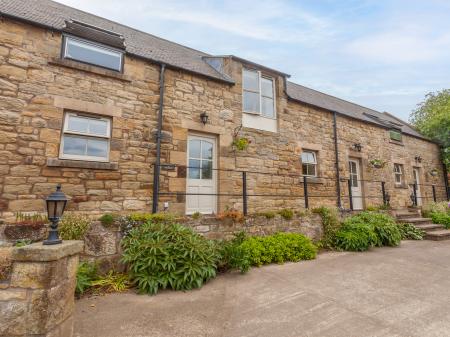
column 207, row 186
column 416, row 179
column 356, row 183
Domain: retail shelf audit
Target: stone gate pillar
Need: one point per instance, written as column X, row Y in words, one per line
column 39, row 298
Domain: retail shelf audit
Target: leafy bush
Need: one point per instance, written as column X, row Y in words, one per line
column 22, row 243
column 367, row 229
column 410, row 232
column 331, row 224
column 286, row 213
column 108, row 219
column 279, row 248
column 168, row 255
column 196, row 215
column 88, row 280
column 441, row 218
column 267, row 214
column 127, row 223
column 435, row 207
column 73, row 226
column 86, row 273
column 233, row 255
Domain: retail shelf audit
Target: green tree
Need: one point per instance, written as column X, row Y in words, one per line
column 432, row 119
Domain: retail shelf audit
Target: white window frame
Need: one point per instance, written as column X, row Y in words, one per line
column 314, row 154
column 68, row 132
column 260, row 76
column 93, row 44
column 398, row 173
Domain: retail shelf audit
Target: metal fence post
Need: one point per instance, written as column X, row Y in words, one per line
column 244, row 192
column 434, row 192
column 383, row 191
column 415, row 194
column 305, row 191
column 350, row 195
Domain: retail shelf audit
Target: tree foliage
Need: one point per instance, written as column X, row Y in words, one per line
column 432, row 119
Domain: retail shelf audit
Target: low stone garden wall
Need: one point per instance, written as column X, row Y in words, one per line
column 102, row 243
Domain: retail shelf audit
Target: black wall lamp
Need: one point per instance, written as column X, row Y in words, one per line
column 204, row 118
column 357, row 147
column 418, row 159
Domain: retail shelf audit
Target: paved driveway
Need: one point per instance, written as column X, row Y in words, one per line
column 402, row 291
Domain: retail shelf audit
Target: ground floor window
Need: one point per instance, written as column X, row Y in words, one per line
column 398, row 174
column 309, row 163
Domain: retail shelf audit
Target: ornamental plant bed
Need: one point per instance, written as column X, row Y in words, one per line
column 26, row 231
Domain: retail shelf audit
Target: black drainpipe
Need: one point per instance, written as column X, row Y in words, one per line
column 157, row 167
column 336, row 153
column 444, row 170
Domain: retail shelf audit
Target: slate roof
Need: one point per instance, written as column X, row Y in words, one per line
column 54, row 15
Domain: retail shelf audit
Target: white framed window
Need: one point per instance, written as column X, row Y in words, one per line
column 258, row 94
column 85, row 51
column 85, row 137
column 309, row 163
column 398, row 174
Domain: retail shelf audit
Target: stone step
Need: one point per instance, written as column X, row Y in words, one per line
column 429, row 227
column 407, row 215
column 440, row 235
column 416, row 220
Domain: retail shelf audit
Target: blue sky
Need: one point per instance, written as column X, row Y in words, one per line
column 385, row 55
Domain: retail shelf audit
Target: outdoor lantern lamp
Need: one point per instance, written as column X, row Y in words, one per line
column 357, row 147
column 204, row 117
column 56, row 203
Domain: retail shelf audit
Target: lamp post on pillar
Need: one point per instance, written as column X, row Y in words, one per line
column 56, row 204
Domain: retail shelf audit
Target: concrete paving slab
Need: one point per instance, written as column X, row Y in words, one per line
column 401, row 291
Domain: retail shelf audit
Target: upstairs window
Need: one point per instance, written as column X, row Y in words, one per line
column 258, row 94
column 85, row 137
column 395, row 135
column 92, row 53
column 309, row 163
column 398, row 174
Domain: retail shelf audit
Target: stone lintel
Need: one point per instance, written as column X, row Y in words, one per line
column 37, row 252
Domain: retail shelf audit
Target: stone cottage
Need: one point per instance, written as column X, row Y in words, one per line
column 118, row 116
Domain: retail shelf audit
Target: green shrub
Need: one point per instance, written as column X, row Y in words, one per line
column 441, row 218
column 168, row 255
column 196, row 215
column 152, row 217
column 86, row 273
column 331, row 224
column 73, row 226
column 267, row 214
column 22, row 243
column 111, row 282
column 286, row 213
column 356, row 237
column 233, row 255
column 410, row 232
column 108, row 219
column 435, row 207
column 279, row 248
column 367, row 229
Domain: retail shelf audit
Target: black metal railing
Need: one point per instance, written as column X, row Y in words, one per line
column 307, row 182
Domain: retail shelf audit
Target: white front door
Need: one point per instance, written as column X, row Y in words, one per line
column 201, row 178
column 355, row 181
column 416, row 173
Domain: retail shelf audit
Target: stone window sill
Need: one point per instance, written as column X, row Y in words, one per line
column 401, row 186
column 89, row 68
column 55, row 162
column 396, row 142
column 312, row 180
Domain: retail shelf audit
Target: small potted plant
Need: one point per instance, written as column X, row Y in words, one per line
column 377, row 163
column 241, row 143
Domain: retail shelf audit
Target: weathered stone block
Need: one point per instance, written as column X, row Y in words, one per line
column 134, row 205
column 100, row 241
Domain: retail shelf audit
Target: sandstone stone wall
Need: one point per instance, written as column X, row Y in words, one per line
column 36, row 88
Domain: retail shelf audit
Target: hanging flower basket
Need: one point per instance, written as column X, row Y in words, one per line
column 377, row 163
column 241, row 143
column 434, row 172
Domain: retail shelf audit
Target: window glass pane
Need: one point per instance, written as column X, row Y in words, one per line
column 194, row 148
column 250, row 80
column 251, row 101
column 308, row 157
column 207, row 150
column 267, row 87
column 97, row 148
column 395, row 135
column 354, row 179
column 98, row 127
column 206, row 169
column 194, row 172
column 77, row 124
column 86, row 52
column 309, row 169
column 75, row 145
column 267, row 107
